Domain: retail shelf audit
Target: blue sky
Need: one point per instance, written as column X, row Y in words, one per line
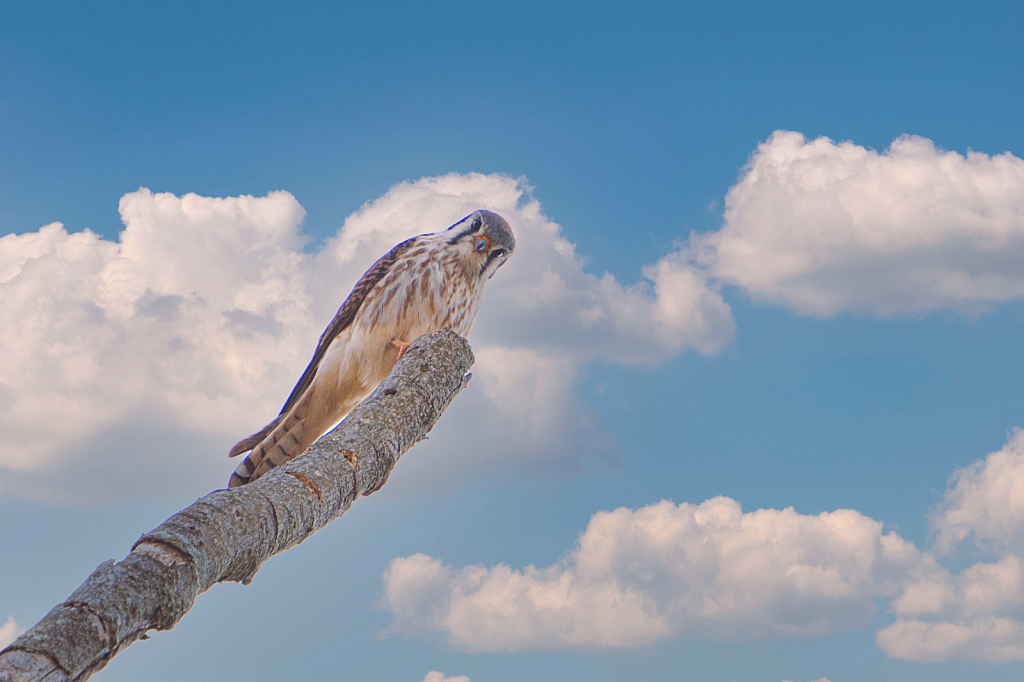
column 783, row 321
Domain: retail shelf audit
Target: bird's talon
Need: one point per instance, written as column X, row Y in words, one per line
column 402, row 346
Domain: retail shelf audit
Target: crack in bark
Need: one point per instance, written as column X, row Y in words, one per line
column 102, row 627
column 353, row 463
column 44, row 668
column 247, row 579
column 308, row 483
column 163, row 552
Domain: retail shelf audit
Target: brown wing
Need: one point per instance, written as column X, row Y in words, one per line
column 346, row 313
column 255, row 439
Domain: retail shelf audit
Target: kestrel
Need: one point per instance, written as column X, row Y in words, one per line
column 423, row 285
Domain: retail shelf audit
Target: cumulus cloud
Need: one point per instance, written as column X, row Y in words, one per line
column 143, row 359
column 823, row 227
column 979, row 612
column 435, row 676
column 10, row 631
column 124, row 361
column 640, row 576
column 986, row 502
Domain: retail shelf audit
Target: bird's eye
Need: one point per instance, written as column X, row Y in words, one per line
column 476, row 224
column 498, row 253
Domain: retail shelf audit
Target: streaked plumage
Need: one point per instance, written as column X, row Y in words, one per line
column 425, row 284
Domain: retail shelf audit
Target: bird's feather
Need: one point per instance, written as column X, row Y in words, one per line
column 346, row 313
column 424, row 284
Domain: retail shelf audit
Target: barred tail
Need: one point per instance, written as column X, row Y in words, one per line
column 246, row 444
column 280, row 441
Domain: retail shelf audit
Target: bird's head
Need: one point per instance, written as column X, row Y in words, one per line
column 485, row 240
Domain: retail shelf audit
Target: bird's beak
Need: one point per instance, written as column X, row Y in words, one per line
column 481, row 244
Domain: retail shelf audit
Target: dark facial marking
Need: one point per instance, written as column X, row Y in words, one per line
column 491, row 256
column 473, row 227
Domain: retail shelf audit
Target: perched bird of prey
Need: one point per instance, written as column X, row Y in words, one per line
column 423, row 285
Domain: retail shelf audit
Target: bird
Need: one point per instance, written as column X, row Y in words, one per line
column 425, row 284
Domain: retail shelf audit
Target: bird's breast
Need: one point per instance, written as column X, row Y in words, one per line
column 424, row 293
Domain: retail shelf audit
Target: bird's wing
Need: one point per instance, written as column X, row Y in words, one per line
column 253, row 440
column 346, row 313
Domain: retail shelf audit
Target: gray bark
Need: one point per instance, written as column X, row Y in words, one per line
column 228, row 534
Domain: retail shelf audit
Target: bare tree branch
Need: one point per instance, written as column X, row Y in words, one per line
column 228, row 534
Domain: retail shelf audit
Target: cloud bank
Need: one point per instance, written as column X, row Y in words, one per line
column 144, row 359
column 822, row 227
column 640, row 576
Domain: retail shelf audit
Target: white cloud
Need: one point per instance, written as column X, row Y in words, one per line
column 712, row 571
column 979, row 612
column 986, row 501
column 991, row 639
column 10, row 631
column 435, row 676
column 130, row 361
column 637, row 577
column 144, row 359
column 823, row 227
